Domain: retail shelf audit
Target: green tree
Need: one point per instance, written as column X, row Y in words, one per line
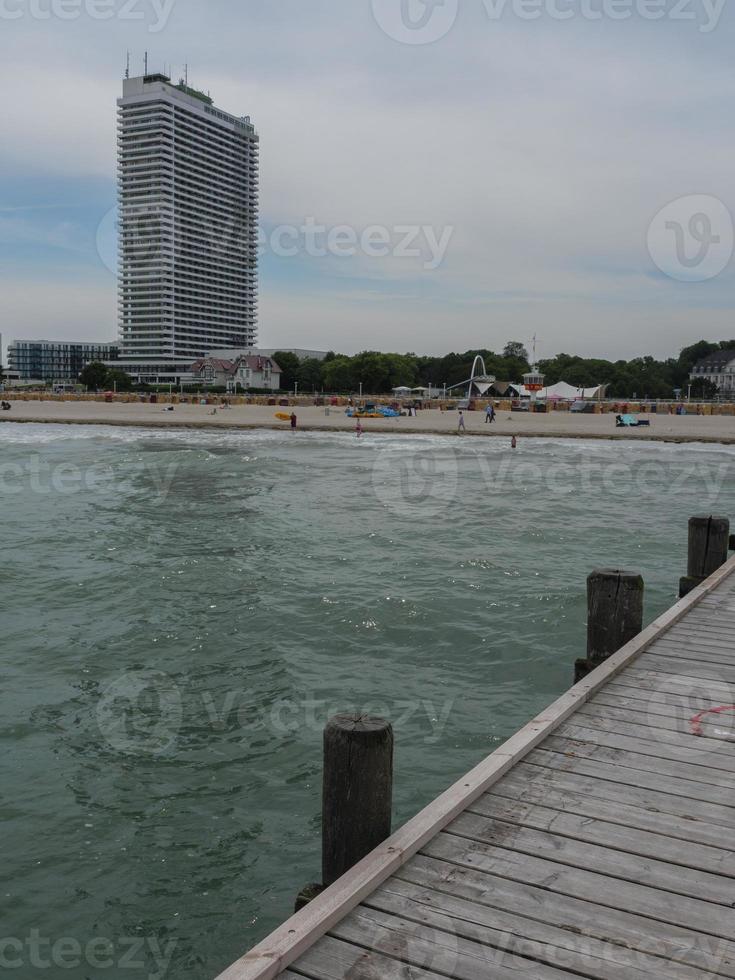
column 338, row 374
column 515, row 349
column 310, row 374
column 94, row 375
column 289, row 364
column 118, row 380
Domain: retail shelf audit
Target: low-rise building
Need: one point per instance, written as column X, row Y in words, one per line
column 55, row 360
column 245, row 371
column 719, row 368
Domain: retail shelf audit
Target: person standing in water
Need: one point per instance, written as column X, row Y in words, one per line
column 294, row 421
column 460, row 425
column 358, row 429
column 513, row 443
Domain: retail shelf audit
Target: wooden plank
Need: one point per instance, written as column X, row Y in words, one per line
column 644, row 789
column 300, row 932
column 669, row 745
column 605, row 858
column 520, row 936
column 440, row 950
column 559, row 795
column 673, row 708
column 621, row 837
column 646, row 679
column 655, row 723
column 699, row 652
column 333, row 959
column 705, row 622
column 662, row 906
column 647, row 692
column 579, row 917
column 683, row 665
column 623, row 756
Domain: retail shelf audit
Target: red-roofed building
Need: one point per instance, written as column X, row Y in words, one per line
column 248, row 371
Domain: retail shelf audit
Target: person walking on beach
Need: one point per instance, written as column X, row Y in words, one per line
column 294, row 421
column 490, row 413
column 460, row 425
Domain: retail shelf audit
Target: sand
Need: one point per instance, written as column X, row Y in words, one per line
column 669, row 428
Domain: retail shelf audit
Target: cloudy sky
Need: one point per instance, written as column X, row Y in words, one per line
column 477, row 170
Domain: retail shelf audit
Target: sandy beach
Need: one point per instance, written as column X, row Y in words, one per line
column 668, row 428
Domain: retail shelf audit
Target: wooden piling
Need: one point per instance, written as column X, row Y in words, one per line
column 709, row 543
column 357, row 795
column 357, row 791
column 614, row 615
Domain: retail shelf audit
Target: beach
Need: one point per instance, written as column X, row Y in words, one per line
column 557, row 424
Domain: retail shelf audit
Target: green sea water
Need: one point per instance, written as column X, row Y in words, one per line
column 182, row 611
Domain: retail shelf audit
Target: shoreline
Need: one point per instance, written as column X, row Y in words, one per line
column 716, row 430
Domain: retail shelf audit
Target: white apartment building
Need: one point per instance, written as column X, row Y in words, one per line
column 188, row 202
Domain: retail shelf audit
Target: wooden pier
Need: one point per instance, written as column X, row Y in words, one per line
column 594, row 843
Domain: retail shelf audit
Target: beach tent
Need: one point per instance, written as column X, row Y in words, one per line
column 402, row 390
column 562, row 391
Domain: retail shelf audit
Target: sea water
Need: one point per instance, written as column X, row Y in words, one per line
column 183, row 610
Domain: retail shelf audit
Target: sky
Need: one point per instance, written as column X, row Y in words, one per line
column 436, row 175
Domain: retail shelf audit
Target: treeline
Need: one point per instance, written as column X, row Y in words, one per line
column 642, row 377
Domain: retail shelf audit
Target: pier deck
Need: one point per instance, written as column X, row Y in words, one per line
column 596, row 842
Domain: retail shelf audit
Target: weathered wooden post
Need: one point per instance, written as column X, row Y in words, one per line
column 357, row 794
column 709, row 543
column 614, row 615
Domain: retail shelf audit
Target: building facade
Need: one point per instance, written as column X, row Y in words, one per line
column 247, row 371
column 54, row 360
column 719, row 368
column 188, row 236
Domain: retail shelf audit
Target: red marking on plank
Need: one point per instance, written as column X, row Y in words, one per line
column 695, row 723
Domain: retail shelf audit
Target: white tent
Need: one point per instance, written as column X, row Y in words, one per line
column 567, row 392
column 402, row 390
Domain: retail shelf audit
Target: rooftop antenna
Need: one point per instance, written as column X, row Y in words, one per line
column 127, row 66
column 145, row 63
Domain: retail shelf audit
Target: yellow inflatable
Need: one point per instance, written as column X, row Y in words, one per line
column 283, row 416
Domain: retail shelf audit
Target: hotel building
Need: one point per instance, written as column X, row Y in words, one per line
column 188, row 206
